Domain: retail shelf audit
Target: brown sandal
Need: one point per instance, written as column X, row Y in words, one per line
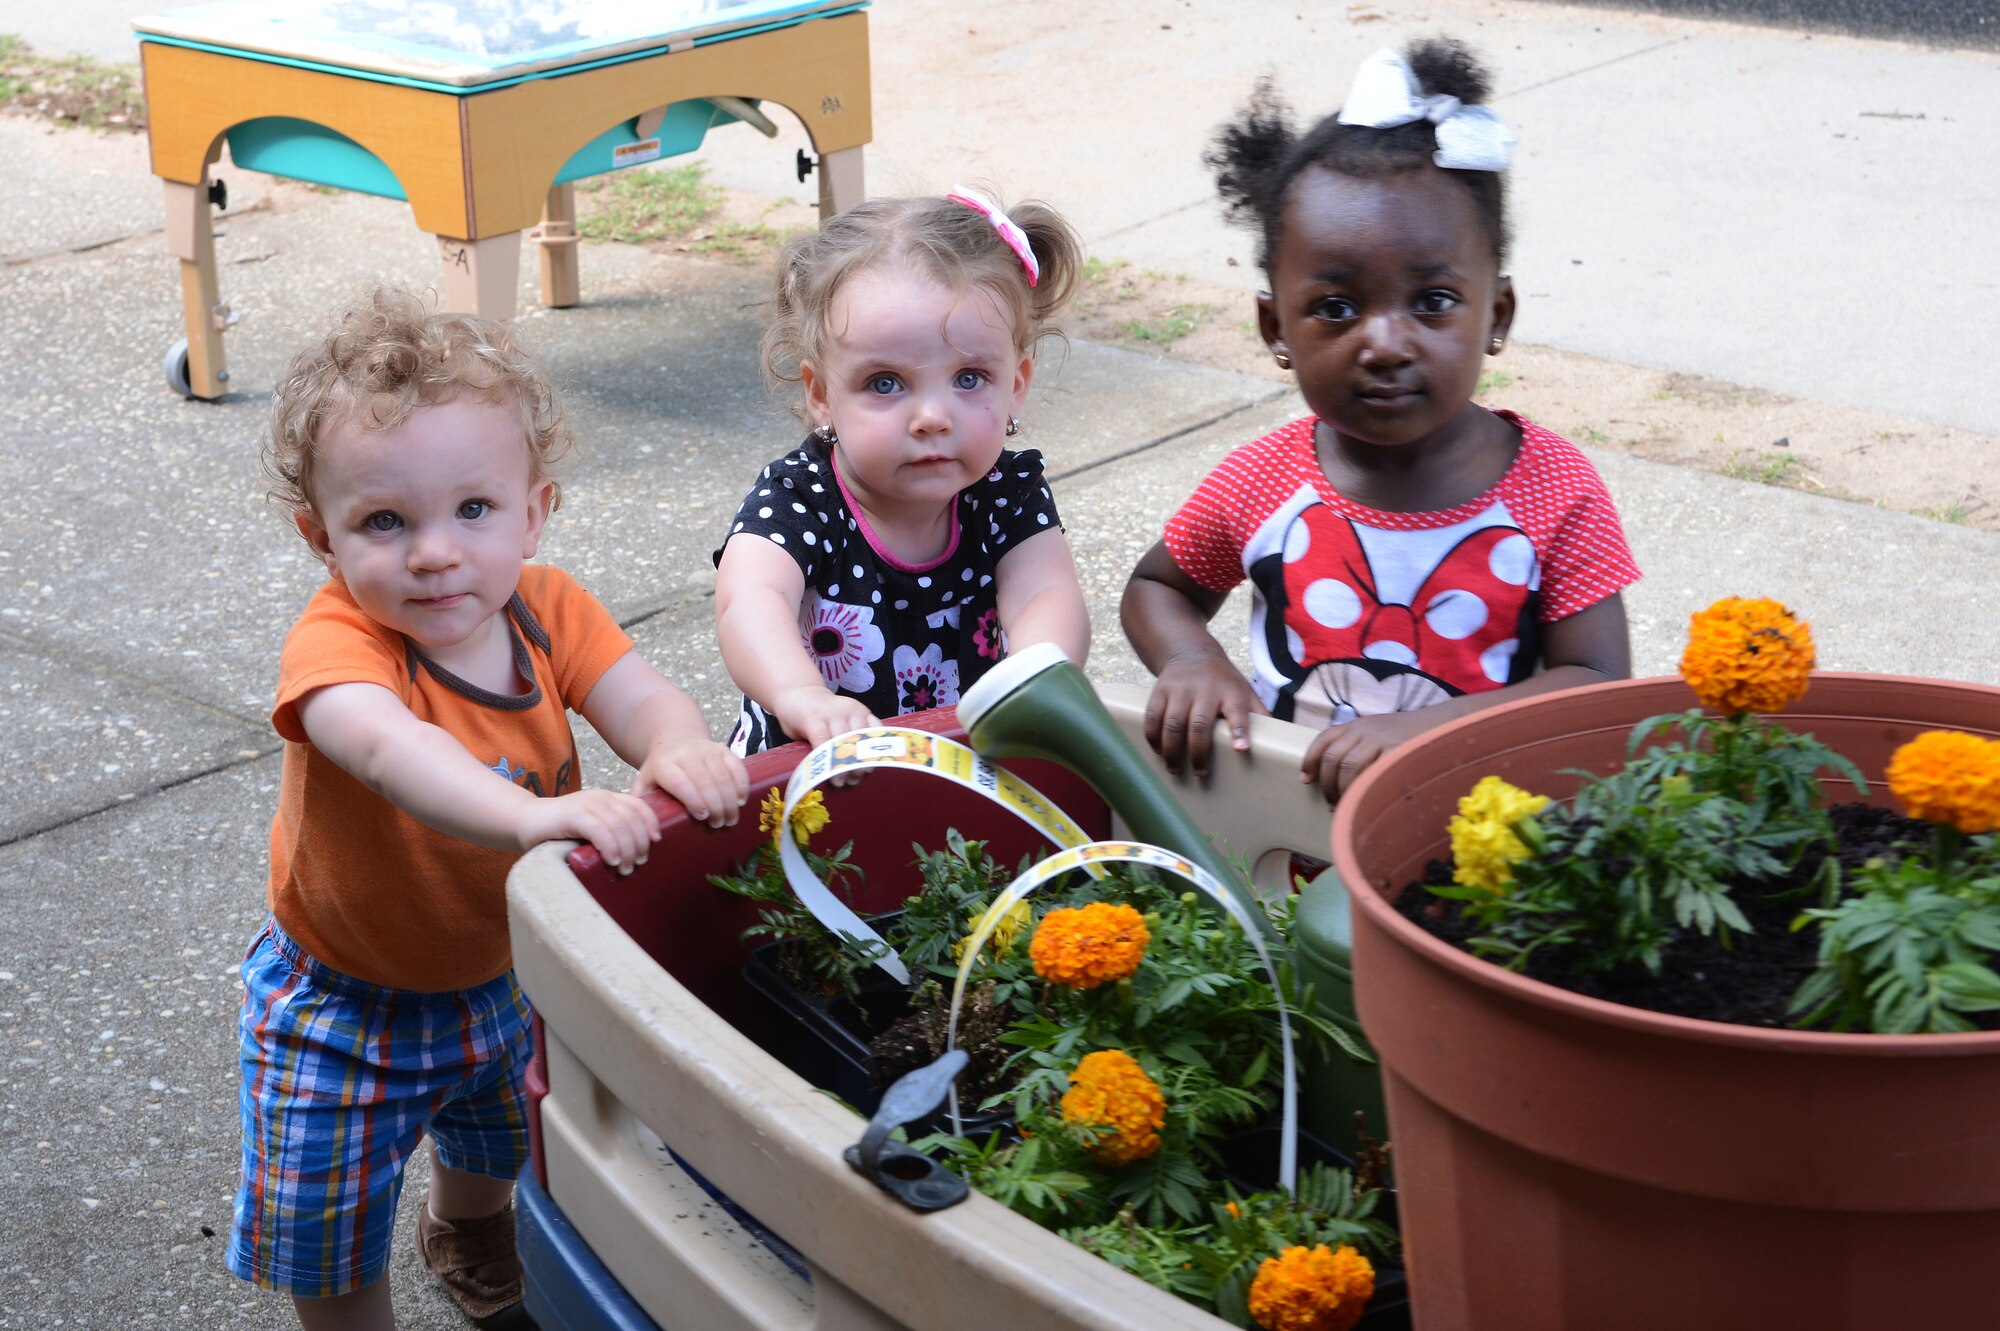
column 474, row 1259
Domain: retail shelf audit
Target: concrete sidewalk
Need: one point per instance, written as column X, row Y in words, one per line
column 145, row 586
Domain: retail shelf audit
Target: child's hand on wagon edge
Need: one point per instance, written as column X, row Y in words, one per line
column 1339, row 754
column 1194, row 688
column 621, row 826
column 707, row 779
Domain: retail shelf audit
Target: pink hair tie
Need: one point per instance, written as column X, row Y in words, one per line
column 1017, row 239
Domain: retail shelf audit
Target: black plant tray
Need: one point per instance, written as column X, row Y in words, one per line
column 820, row 1037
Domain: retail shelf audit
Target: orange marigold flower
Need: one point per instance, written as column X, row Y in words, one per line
column 1948, row 776
column 1112, row 1095
column 1083, row 948
column 1312, row 1289
column 1747, row 655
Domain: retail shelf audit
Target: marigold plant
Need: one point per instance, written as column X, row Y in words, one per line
column 1706, row 806
column 1013, row 923
column 1913, row 944
column 1111, row 1094
column 808, row 817
column 1312, row 1289
column 1747, row 655
column 1948, row 776
column 1485, row 842
column 1090, row 945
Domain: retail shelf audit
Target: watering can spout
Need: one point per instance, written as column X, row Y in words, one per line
column 1037, row 704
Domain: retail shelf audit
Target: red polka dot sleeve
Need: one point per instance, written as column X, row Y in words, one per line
column 1580, row 540
column 1206, row 537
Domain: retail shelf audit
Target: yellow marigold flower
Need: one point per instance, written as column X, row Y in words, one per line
column 1001, row 941
column 808, row 817
column 1086, row 947
column 1312, row 1289
column 1948, row 776
column 1484, row 845
column 1747, row 655
column 1111, row 1094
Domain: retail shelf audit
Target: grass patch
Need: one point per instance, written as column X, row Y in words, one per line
column 1097, row 271
column 736, row 242
column 638, row 205
column 1955, row 513
column 1492, row 381
column 73, row 90
column 1594, row 435
column 1764, row 468
column 1172, row 326
column 1104, row 283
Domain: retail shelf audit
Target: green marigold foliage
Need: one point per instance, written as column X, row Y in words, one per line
column 1911, row 949
column 1658, row 846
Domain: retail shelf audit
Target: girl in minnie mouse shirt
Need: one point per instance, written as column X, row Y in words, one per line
column 889, row 561
column 1412, row 555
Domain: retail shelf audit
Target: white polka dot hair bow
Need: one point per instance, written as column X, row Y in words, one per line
column 1385, row 94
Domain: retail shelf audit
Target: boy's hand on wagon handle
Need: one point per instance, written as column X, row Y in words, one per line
column 623, row 827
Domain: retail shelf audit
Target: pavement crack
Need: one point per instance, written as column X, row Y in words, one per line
column 103, row 242
column 1148, row 221
column 1589, row 69
column 135, row 797
column 83, row 247
column 77, row 662
column 1171, row 435
column 629, row 624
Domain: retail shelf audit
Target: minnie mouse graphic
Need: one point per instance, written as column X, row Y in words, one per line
column 1359, row 620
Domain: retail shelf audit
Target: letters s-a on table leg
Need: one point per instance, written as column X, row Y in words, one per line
column 191, row 237
column 482, row 277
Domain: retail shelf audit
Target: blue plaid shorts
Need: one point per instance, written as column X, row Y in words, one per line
column 341, row 1080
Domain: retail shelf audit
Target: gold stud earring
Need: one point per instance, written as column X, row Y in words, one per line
column 1284, row 361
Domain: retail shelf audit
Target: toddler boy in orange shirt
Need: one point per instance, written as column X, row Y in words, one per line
column 424, row 695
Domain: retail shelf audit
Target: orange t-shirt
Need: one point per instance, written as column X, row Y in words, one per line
column 360, row 884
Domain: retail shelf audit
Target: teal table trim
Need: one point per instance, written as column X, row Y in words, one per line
column 305, row 150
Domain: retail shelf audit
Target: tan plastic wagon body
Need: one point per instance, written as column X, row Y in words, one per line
column 634, row 1059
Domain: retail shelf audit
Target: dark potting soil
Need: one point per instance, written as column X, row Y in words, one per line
column 917, row 1039
column 1750, row 982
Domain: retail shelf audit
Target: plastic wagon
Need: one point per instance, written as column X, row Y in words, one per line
column 649, row 1040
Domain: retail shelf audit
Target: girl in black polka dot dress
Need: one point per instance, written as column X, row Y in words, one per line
column 890, row 559
column 1412, row 556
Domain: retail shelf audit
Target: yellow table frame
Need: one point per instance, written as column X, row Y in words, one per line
column 478, row 167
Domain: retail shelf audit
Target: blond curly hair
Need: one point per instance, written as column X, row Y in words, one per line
column 386, row 356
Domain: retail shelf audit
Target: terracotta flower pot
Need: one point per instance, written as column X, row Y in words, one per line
column 1569, row 1163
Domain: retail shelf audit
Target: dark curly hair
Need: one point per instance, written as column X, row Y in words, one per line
column 1258, row 155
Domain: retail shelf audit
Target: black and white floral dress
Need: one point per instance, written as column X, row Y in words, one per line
column 896, row 637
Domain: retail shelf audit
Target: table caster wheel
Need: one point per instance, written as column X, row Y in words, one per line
column 176, row 367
